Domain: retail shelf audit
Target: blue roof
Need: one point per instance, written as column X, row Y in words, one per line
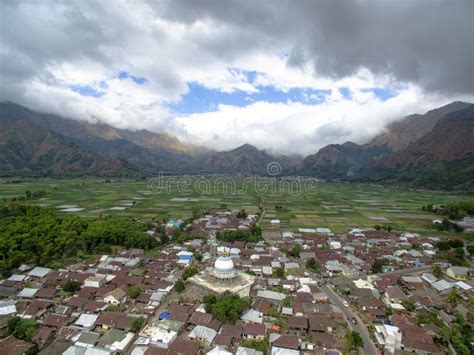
column 164, row 315
column 185, row 257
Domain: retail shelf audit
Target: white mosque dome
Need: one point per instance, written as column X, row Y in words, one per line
column 223, row 264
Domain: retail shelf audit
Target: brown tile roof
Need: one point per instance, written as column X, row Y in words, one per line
column 297, row 322
column 320, row 323
column 325, row 339
column 304, row 297
column 117, row 293
column 394, row 292
column 376, row 312
column 162, row 284
column 56, row 320
column 67, row 332
column 13, row 346
column 43, row 334
column 419, row 341
column 254, row 329
column 101, row 292
column 35, row 307
column 180, row 308
column 143, row 297
column 76, row 302
column 154, row 350
column 232, row 330
column 115, row 319
column 370, row 302
column 223, row 340
column 185, row 347
column 205, row 319
column 94, row 306
column 86, row 292
column 46, row 293
column 127, row 280
column 287, row 342
column 261, row 305
column 182, row 317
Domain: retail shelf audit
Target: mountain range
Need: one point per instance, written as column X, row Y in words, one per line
column 433, row 150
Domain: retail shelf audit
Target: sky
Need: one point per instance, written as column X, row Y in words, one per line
column 286, row 76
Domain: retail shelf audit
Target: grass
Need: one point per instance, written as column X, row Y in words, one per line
column 338, row 206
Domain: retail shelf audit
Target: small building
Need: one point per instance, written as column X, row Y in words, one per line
column 219, row 350
column 442, row 286
column 86, row 321
column 116, row 340
column 39, row 272
column 247, row 351
column 203, row 334
column 7, row 308
column 254, row 331
column 96, row 281
column 252, row 316
column 116, row 297
column 28, row 292
column 163, row 333
column 459, row 273
column 184, row 257
column 389, row 338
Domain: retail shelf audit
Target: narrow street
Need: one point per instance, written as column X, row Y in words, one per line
column 369, row 346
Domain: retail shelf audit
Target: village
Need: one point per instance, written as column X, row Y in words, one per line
column 227, row 287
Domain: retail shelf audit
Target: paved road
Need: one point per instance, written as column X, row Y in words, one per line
column 262, row 211
column 369, row 346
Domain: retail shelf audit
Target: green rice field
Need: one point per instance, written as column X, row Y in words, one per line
column 337, row 206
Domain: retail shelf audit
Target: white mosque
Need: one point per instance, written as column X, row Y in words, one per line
column 223, row 277
column 224, row 268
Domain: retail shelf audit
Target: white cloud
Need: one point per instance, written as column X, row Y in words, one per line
column 46, row 48
column 297, row 128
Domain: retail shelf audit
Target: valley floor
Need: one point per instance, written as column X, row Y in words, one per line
column 297, row 204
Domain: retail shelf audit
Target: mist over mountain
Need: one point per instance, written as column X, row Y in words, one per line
column 427, row 150
column 434, row 150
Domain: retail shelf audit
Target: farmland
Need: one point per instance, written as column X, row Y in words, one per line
column 337, row 206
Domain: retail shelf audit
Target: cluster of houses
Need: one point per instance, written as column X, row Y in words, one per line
column 102, row 316
column 128, row 304
column 354, row 253
column 221, row 221
column 405, row 295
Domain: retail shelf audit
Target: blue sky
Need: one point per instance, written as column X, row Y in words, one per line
column 200, row 99
column 98, row 90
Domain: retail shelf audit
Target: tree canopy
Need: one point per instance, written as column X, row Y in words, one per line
column 189, row 273
column 313, row 265
column 138, row 323
column 23, row 329
column 43, row 236
column 254, row 235
column 354, row 340
column 377, row 266
column 226, row 307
